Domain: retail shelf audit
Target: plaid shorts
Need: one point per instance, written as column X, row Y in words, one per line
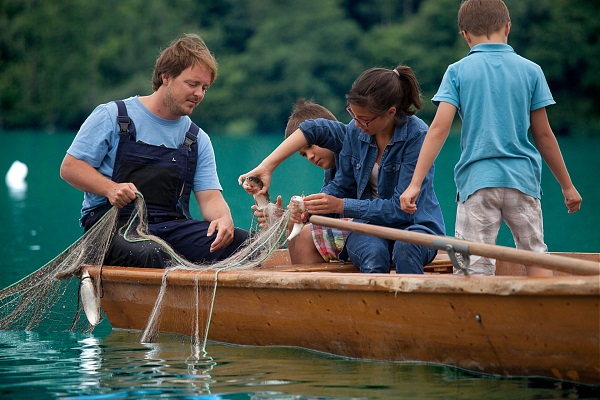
column 478, row 219
column 328, row 241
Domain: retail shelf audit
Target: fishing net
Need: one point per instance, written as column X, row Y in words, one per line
column 50, row 299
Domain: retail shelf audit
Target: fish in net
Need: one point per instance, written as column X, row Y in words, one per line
column 53, row 297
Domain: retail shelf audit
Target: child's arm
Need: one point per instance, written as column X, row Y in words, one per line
column 265, row 169
column 434, row 140
column 546, row 143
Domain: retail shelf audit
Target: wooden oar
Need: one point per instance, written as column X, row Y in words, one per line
column 525, row 257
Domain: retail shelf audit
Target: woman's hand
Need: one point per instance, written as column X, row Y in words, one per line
column 322, row 203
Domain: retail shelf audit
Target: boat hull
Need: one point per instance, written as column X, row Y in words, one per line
column 504, row 325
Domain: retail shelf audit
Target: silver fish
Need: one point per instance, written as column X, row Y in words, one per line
column 89, row 298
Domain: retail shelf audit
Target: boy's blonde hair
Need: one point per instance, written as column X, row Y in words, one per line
column 482, row 17
column 303, row 110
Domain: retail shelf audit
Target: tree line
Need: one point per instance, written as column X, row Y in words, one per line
column 61, row 58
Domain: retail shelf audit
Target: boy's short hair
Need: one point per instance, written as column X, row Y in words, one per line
column 303, row 110
column 482, row 17
column 187, row 51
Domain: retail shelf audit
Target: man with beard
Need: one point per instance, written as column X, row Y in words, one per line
column 148, row 146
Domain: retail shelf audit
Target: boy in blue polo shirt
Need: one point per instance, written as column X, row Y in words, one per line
column 499, row 97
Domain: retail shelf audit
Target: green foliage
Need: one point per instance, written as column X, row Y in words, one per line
column 298, row 49
column 565, row 42
column 402, row 43
column 60, row 58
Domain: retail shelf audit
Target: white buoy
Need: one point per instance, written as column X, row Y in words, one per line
column 299, row 203
column 15, row 179
column 89, row 299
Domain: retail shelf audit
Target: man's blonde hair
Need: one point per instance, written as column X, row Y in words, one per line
column 187, row 51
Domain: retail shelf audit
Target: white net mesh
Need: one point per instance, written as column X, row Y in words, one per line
column 49, row 299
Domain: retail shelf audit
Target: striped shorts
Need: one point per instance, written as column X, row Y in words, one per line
column 328, row 241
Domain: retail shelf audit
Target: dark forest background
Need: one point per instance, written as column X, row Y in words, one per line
column 60, row 58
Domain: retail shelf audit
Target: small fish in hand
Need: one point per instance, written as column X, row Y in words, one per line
column 297, row 202
column 252, row 185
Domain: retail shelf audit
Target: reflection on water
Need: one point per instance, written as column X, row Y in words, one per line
column 67, row 366
column 89, row 361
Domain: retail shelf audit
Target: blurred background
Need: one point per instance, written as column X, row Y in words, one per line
column 60, row 58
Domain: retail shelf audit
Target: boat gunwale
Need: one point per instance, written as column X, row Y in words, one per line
column 315, row 278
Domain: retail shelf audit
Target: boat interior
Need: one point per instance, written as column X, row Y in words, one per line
column 442, row 264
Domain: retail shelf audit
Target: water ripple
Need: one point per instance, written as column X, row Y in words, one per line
column 118, row 366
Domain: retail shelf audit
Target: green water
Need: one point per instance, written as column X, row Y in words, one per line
column 117, row 366
column 40, row 222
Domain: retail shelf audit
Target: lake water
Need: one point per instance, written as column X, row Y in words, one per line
column 40, row 222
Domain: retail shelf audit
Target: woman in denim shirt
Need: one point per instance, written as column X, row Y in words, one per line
column 380, row 150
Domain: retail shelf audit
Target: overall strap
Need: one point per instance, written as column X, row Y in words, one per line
column 126, row 126
column 189, row 151
column 191, row 136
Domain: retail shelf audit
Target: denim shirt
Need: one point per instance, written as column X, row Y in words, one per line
column 396, row 168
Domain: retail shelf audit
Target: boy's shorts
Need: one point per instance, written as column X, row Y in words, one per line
column 328, row 241
column 478, row 219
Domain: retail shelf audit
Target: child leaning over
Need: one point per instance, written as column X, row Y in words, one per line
column 314, row 243
column 380, row 149
column 499, row 96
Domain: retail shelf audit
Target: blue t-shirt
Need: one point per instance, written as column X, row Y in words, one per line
column 495, row 90
column 98, row 138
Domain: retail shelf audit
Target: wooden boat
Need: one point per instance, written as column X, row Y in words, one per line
column 508, row 324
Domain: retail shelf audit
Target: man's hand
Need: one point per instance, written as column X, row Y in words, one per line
column 121, row 194
column 224, row 228
column 214, row 208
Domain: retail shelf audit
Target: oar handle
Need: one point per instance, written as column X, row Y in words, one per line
column 525, row 257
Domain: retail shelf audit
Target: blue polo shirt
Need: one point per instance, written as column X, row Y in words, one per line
column 495, row 90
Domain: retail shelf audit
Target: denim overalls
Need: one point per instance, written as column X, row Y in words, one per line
column 164, row 176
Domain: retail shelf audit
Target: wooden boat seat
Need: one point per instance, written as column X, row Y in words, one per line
column 280, row 261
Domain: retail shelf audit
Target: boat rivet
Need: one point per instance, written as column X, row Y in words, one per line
column 477, row 318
